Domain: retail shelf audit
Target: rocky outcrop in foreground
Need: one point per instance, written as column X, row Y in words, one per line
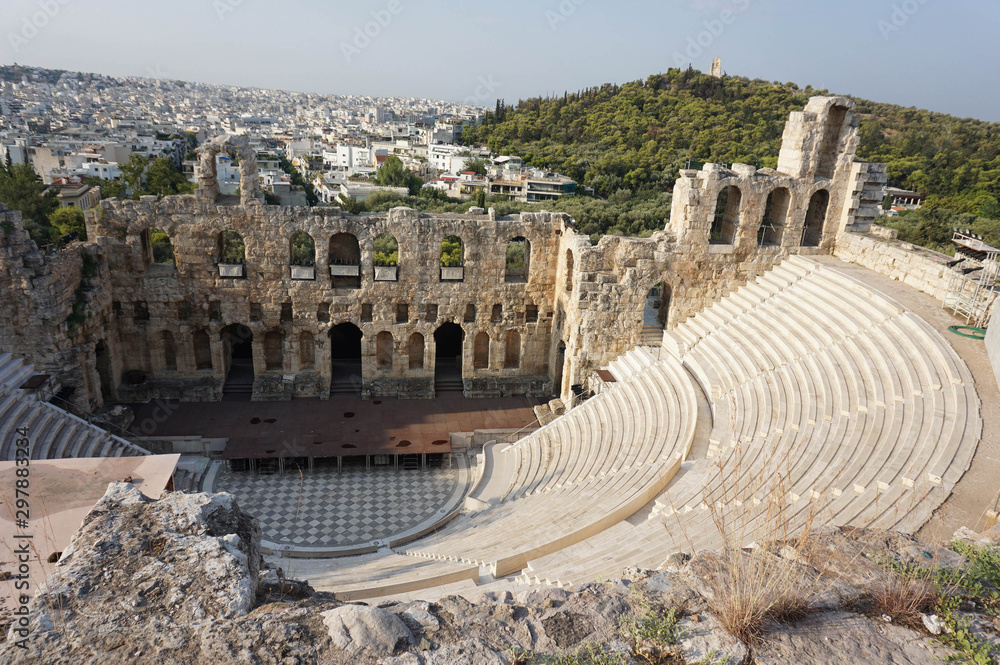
column 180, row 580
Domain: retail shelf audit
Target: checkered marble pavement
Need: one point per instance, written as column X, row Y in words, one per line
column 335, row 510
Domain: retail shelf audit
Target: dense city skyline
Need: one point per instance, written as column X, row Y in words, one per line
column 895, row 52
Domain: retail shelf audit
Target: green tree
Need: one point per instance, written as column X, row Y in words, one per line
column 162, row 178
column 69, row 220
column 163, row 250
column 386, row 250
column 451, row 251
column 21, row 189
column 478, row 166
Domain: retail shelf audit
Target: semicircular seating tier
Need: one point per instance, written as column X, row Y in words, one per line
column 578, row 475
column 831, row 405
column 52, row 432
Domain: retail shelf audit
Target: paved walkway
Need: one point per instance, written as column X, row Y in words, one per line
column 327, row 509
column 976, row 492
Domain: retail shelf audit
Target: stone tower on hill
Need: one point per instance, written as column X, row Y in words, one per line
column 717, row 68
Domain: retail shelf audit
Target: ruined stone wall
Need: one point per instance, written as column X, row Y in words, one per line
column 52, row 306
column 579, row 307
column 192, row 297
column 918, row 267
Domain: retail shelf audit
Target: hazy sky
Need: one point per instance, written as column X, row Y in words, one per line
column 932, row 54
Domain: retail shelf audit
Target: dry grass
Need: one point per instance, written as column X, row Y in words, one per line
column 751, row 508
column 903, row 598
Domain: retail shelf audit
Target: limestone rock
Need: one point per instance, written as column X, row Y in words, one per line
column 708, row 642
column 356, row 628
column 836, row 638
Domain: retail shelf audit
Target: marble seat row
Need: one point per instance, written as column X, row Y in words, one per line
column 853, row 410
column 580, row 474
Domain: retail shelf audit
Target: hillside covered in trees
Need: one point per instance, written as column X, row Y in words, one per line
column 633, row 138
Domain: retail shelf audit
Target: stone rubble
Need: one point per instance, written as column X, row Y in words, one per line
column 179, row 580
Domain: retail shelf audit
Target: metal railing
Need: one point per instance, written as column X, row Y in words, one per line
column 514, row 437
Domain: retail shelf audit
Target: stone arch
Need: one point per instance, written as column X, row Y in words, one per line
column 836, row 119
column 157, row 247
column 512, row 350
column 345, row 261
column 386, row 250
column 384, row 350
column 416, row 351
column 202, row 347
column 726, row 219
column 481, row 350
column 169, row 350
column 234, row 146
column 307, row 350
column 231, row 248
column 812, row 230
column 452, row 252
column 345, row 249
column 569, row 270
column 302, row 249
column 772, row 224
column 449, row 342
column 518, row 260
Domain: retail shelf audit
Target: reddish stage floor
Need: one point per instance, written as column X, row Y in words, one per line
column 339, row 426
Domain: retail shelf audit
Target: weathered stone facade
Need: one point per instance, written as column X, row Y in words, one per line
column 150, row 330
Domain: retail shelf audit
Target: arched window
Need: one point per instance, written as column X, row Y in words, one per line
column 386, row 250
column 497, row 315
column 812, row 232
column 157, row 247
column 303, row 249
column 273, row 352
column 569, row 271
column 512, row 350
column 202, row 350
column 518, row 260
column 345, row 261
column 307, row 350
column 416, row 351
column 232, row 249
column 452, row 259
column 383, row 350
column 232, row 254
column 386, row 258
column 452, row 252
column 169, row 350
column 727, row 216
column 481, row 351
column 772, row 225
column 836, row 120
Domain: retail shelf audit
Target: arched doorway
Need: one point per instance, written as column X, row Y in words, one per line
column 237, row 343
column 655, row 314
column 448, row 342
column 345, row 351
column 812, row 231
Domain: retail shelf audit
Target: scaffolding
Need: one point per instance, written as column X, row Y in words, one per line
column 975, row 278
